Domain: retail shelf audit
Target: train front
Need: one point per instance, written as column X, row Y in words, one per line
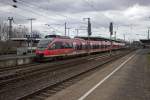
column 42, row 48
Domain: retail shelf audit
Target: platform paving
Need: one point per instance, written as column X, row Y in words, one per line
column 130, row 82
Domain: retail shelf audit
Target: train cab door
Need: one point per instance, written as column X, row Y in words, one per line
column 57, row 48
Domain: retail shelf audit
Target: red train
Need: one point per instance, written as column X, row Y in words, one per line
column 57, row 46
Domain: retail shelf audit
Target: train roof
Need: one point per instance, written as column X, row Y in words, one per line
column 57, row 36
column 100, row 39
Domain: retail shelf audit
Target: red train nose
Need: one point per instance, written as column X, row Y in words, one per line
column 39, row 53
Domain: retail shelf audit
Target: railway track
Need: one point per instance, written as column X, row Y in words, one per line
column 48, row 76
column 12, row 71
column 42, row 68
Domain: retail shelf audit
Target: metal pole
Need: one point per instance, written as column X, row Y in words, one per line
column 10, row 19
column 110, row 44
column 77, row 30
column 115, row 35
column 65, row 28
column 31, row 19
column 89, row 33
column 124, row 36
column 31, row 27
column 148, row 34
column 68, row 31
column 111, row 33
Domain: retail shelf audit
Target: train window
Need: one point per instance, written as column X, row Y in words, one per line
column 80, row 47
column 70, row 45
column 94, row 46
column 77, row 47
column 52, row 47
column 97, row 46
column 83, row 46
column 57, row 45
column 43, row 43
column 103, row 46
column 67, row 45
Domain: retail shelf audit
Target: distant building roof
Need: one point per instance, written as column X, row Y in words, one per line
column 145, row 41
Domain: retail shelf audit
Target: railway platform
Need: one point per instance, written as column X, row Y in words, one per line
column 124, row 79
column 14, row 60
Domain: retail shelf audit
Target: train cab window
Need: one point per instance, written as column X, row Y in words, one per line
column 44, row 43
column 57, row 45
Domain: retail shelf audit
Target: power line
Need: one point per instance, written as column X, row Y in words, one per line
column 37, row 6
column 91, row 5
column 12, row 12
column 53, row 28
column 34, row 12
column 27, row 10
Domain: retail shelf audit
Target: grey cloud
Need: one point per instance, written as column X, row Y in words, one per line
column 72, row 11
column 75, row 6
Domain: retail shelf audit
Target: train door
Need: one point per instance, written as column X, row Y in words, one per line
column 68, row 47
column 57, row 48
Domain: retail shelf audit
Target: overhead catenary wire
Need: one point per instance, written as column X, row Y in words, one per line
column 22, row 2
column 90, row 4
column 33, row 12
column 37, row 6
column 24, row 5
column 37, row 13
column 31, row 5
column 11, row 11
column 53, row 28
column 93, row 7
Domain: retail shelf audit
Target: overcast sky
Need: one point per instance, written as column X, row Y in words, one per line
column 130, row 17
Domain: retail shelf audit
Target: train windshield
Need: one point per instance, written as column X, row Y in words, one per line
column 43, row 44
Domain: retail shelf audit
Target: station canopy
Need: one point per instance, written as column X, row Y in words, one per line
column 145, row 42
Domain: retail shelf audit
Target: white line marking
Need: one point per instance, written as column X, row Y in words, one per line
column 104, row 79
